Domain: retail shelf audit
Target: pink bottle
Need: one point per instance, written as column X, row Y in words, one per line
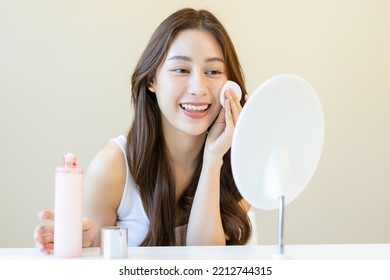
column 68, row 209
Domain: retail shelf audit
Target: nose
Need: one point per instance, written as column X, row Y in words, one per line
column 197, row 84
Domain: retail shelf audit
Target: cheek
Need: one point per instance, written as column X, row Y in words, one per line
column 215, row 112
column 217, row 96
column 217, row 90
column 168, row 85
column 167, row 101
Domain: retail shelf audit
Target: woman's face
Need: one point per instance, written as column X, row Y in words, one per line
column 188, row 82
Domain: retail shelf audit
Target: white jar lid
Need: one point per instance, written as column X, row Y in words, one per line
column 114, row 242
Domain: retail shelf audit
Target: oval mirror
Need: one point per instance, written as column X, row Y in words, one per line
column 277, row 141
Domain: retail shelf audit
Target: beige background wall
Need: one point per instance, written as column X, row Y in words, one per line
column 64, row 86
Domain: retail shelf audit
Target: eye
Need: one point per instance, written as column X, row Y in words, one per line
column 213, row 72
column 181, row 70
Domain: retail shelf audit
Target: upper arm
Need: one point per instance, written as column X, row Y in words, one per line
column 103, row 187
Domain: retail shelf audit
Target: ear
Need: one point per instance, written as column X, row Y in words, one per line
column 152, row 86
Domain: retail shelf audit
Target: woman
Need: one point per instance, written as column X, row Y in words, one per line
column 170, row 180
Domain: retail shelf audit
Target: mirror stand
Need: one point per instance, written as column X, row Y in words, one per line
column 281, row 226
column 281, row 254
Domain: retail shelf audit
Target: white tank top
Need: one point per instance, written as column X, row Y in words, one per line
column 131, row 213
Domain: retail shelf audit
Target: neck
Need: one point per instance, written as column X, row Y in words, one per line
column 184, row 149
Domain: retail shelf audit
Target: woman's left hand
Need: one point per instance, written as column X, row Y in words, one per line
column 219, row 138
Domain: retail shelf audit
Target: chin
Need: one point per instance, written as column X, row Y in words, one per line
column 195, row 131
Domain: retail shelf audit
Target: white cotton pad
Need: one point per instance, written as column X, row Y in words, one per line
column 233, row 85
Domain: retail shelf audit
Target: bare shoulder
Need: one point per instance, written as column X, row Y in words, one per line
column 106, row 174
column 109, row 159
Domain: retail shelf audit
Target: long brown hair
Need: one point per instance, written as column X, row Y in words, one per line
column 147, row 155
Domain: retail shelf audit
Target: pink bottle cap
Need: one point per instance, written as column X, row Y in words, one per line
column 69, row 164
column 70, row 160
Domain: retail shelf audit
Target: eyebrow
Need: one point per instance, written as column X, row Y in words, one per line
column 188, row 59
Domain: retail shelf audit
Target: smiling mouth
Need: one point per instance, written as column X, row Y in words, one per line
column 194, row 108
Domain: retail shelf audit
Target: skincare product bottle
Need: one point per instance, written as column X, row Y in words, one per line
column 68, row 209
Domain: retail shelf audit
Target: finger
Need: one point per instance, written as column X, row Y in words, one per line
column 234, row 104
column 44, row 229
column 47, row 248
column 45, row 239
column 234, row 101
column 228, row 115
column 44, row 234
column 221, row 116
column 246, row 97
column 46, row 214
column 87, row 224
column 88, row 232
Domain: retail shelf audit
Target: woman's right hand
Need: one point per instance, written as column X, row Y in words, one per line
column 44, row 233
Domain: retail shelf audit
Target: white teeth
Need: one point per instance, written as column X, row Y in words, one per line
column 193, row 107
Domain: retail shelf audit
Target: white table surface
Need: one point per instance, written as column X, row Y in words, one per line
column 259, row 252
